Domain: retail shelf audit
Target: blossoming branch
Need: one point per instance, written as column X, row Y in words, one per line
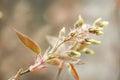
column 65, row 50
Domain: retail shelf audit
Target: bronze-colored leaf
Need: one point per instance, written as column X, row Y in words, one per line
column 60, row 68
column 73, row 71
column 28, row 42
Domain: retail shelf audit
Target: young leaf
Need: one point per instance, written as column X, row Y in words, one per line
column 73, row 71
column 28, row 42
column 61, row 65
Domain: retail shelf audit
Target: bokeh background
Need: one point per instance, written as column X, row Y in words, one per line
column 39, row 18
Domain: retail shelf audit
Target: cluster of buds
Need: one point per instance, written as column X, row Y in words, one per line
column 66, row 49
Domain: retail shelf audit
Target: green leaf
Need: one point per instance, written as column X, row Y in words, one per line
column 28, row 42
column 73, row 71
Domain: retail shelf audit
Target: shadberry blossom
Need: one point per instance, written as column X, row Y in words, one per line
column 64, row 50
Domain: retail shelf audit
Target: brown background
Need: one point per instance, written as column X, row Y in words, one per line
column 39, row 18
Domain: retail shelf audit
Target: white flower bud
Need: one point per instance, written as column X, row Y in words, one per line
column 62, row 32
column 104, row 23
column 79, row 22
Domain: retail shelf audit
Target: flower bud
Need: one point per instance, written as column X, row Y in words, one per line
column 98, row 22
column 93, row 41
column 73, row 53
column 103, row 24
column 99, row 33
column 62, row 32
column 73, row 32
column 79, row 22
column 95, row 31
column 88, row 51
column 82, row 45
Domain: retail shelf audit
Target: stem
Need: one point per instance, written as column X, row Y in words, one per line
column 65, row 40
column 24, row 72
column 19, row 73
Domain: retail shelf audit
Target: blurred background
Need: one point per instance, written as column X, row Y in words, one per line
column 39, row 18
